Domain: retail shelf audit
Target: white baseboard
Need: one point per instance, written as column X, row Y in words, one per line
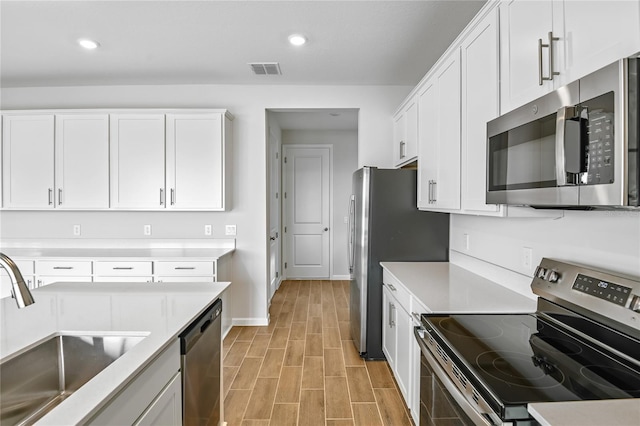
column 250, row 321
column 341, row 277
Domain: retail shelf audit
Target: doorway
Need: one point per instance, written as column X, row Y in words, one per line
column 337, row 128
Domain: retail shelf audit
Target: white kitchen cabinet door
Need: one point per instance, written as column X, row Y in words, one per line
column 480, row 104
column 522, row 24
column 389, row 329
column 439, row 138
column 404, row 339
column 596, row 33
column 28, row 165
column 427, row 154
column 196, row 161
column 82, row 161
column 137, row 161
column 166, row 409
column 405, row 131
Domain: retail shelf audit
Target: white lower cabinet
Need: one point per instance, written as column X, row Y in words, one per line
column 396, row 339
column 166, row 410
column 389, row 330
column 400, row 312
column 151, row 397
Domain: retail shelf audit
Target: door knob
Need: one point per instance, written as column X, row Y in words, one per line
column 272, row 238
column 326, row 229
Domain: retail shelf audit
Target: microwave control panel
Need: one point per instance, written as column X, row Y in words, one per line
column 599, row 152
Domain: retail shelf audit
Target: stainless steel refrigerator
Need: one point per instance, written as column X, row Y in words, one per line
column 386, row 225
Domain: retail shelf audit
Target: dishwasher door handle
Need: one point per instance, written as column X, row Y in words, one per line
column 206, row 324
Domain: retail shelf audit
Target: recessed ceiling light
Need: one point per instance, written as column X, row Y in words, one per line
column 297, row 39
column 88, row 44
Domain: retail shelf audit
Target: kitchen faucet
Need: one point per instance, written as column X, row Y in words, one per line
column 18, row 287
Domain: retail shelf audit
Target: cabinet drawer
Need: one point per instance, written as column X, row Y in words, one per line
column 114, row 269
column 184, row 279
column 25, row 267
column 184, row 268
column 123, row 279
column 397, row 290
column 62, row 267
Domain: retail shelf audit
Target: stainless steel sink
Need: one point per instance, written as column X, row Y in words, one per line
column 39, row 378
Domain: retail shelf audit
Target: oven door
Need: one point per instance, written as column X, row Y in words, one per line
column 440, row 400
column 533, row 152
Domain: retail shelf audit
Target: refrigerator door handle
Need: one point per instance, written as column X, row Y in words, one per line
column 350, row 228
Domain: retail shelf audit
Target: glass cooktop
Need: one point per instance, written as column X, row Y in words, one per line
column 523, row 358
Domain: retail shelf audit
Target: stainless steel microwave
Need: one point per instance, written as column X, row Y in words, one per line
column 576, row 147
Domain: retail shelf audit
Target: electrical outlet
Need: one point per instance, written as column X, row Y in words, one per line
column 466, row 242
column 147, row 230
column 527, row 256
column 230, row 230
column 76, row 230
column 207, row 230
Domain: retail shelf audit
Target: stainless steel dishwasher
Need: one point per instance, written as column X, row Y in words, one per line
column 200, row 347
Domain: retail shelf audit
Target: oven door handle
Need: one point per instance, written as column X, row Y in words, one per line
column 477, row 417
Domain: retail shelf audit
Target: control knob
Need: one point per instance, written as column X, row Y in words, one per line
column 635, row 304
column 553, row 277
column 541, row 272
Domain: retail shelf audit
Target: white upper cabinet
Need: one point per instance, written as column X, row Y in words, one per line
column 439, row 137
column 196, row 151
column 405, row 133
column 525, row 26
column 480, row 104
column 596, row 33
column 28, row 162
column 82, row 161
column 138, row 161
column 546, row 44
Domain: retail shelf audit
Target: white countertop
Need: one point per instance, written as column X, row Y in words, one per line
column 446, row 288
column 612, row 412
column 130, row 254
column 161, row 310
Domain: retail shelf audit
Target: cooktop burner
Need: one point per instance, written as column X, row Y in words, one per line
column 523, row 358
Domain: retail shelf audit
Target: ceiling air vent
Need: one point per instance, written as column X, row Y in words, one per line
column 265, row 68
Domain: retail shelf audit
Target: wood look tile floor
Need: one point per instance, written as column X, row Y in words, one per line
column 303, row 368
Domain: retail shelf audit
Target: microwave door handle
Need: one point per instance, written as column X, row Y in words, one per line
column 561, row 149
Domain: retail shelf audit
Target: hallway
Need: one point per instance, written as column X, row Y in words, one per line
column 303, row 368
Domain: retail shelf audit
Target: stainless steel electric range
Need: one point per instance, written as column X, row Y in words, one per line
column 583, row 343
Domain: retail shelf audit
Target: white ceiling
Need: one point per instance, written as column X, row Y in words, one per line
column 365, row 42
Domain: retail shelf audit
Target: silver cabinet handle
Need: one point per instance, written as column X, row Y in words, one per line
column 549, row 46
column 392, row 317
column 63, row 267
column 391, row 287
column 540, row 46
column 551, row 40
column 59, row 196
column 178, row 268
column 122, row 268
column 161, row 196
column 173, row 196
column 435, row 189
column 50, row 196
column 403, row 149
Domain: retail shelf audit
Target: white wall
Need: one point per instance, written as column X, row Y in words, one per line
column 248, row 104
column 603, row 239
column 345, row 162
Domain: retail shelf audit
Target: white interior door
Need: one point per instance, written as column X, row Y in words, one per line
column 307, row 179
column 275, row 213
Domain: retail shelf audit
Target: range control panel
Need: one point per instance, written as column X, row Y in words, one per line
column 612, row 296
column 605, row 290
